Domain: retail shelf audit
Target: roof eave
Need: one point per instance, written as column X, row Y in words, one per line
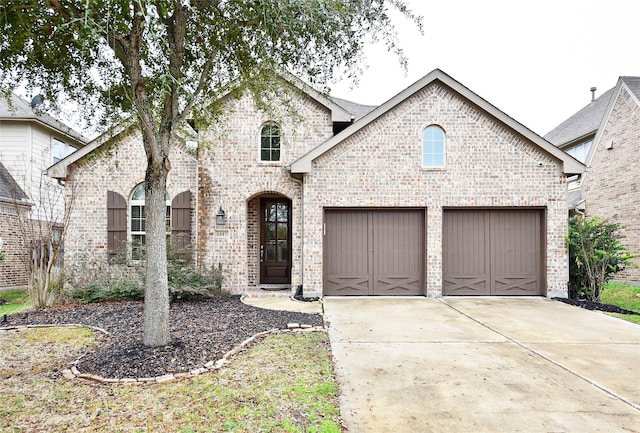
column 570, row 165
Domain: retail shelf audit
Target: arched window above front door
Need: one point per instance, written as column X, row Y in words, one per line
column 270, row 140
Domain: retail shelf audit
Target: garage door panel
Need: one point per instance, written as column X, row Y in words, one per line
column 347, row 267
column 515, row 249
column 374, row 252
column 516, row 285
column 398, row 252
column 492, row 252
column 465, row 264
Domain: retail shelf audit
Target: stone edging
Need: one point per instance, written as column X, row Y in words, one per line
column 73, row 373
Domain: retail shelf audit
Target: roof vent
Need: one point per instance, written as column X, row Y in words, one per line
column 593, row 93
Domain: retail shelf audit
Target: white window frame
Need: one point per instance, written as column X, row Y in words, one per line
column 264, row 161
column 141, row 234
column 444, row 148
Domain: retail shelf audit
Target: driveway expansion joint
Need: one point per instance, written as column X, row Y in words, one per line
column 546, row 358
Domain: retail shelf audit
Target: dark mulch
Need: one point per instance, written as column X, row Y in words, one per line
column 590, row 305
column 201, row 331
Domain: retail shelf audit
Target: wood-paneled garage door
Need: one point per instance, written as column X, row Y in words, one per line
column 492, row 252
column 374, row 252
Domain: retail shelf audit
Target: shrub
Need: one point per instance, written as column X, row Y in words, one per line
column 595, row 255
column 122, row 279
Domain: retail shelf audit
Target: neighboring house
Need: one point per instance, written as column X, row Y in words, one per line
column 435, row 192
column 31, row 141
column 605, row 135
column 12, row 201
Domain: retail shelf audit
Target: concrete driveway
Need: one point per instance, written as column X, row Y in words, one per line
column 483, row 365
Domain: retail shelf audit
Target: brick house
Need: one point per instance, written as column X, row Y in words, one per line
column 435, row 192
column 30, row 141
column 605, row 135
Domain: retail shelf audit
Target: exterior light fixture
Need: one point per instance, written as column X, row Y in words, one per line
column 221, row 217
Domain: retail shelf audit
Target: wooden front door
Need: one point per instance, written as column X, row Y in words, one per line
column 275, row 241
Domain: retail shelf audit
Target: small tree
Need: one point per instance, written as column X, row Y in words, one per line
column 42, row 230
column 595, row 254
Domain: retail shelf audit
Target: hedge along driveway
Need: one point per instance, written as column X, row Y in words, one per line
column 483, row 365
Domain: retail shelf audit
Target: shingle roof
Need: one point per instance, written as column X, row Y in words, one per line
column 9, row 188
column 634, row 85
column 19, row 109
column 358, row 110
column 584, row 122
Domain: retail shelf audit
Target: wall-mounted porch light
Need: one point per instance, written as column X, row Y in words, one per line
column 221, row 217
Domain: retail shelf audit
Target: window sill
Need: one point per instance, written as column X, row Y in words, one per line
column 433, row 168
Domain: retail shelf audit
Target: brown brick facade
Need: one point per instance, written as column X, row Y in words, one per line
column 612, row 185
column 487, row 166
column 120, row 167
column 12, row 269
column 233, row 177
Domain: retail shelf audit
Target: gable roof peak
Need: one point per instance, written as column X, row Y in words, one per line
column 304, row 164
column 13, row 107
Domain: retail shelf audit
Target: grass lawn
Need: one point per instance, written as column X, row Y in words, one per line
column 624, row 296
column 17, row 300
column 283, row 383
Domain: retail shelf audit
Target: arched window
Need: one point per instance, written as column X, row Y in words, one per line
column 270, row 142
column 138, row 221
column 433, row 143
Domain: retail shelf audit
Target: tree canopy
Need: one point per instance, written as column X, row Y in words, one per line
column 164, row 61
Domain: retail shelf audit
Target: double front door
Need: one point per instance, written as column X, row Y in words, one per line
column 275, row 241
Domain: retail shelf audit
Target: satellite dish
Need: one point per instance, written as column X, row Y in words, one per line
column 37, row 101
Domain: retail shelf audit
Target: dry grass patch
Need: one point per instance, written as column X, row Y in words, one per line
column 283, row 383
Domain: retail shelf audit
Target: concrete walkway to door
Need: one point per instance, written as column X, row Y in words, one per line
column 483, row 365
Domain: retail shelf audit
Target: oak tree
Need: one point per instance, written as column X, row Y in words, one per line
column 165, row 61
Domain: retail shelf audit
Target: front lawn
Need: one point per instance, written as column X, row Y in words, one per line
column 624, row 296
column 16, row 301
column 283, row 383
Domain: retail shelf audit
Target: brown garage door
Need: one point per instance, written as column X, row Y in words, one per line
column 374, row 252
column 492, row 252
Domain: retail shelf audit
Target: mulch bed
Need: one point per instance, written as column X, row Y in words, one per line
column 590, row 305
column 201, row 331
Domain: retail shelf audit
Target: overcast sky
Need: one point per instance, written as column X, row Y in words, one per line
column 534, row 60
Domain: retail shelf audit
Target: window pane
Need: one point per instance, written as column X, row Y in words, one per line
column 138, row 194
column 282, row 231
column 275, row 155
column 271, row 252
column 265, row 155
column 283, row 252
column 283, row 212
column 270, row 231
column 135, row 225
column 135, row 212
column 433, row 147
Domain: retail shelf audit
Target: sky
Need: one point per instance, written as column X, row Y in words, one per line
column 534, row 60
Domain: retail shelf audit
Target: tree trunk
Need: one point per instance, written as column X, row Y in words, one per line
column 156, row 293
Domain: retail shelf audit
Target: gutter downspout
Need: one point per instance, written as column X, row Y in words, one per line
column 301, row 183
column 197, row 255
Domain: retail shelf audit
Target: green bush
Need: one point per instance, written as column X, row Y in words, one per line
column 123, row 280
column 595, row 255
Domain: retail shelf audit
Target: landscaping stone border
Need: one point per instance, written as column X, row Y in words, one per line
column 72, row 372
